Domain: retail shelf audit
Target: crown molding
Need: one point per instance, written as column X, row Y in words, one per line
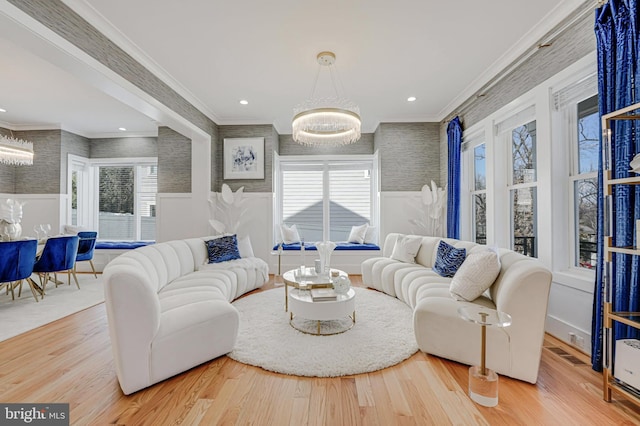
column 26, row 127
column 102, row 24
column 518, row 51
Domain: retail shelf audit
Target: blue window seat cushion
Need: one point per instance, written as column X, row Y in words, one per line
column 121, row 245
column 339, row 246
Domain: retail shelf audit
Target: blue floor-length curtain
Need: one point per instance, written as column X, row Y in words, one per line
column 617, row 49
column 454, row 141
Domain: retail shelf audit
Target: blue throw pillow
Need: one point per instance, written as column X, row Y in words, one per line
column 448, row 259
column 223, row 249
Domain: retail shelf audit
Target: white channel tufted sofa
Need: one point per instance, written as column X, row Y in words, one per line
column 521, row 290
column 168, row 310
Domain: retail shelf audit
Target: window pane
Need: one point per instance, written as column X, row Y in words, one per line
column 523, row 214
column 350, row 201
column 302, row 202
column 479, row 162
column 586, row 197
column 116, row 219
column 74, row 197
column 588, row 135
column 147, row 201
column 523, row 149
column 480, row 215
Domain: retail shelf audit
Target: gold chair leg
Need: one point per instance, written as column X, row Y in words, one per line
column 93, row 268
column 32, row 286
column 19, row 288
column 75, row 278
column 13, row 296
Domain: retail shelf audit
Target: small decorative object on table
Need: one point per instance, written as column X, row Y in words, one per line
column 341, row 283
column 325, row 248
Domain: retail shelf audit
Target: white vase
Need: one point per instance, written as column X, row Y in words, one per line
column 10, row 231
column 324, row 252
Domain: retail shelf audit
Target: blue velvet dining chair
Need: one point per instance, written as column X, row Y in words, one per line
column 58, row 255
column 86, row 247
column 16, row 264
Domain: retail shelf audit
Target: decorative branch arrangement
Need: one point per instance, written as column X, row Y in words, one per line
column 227, row 210
column 429, row 211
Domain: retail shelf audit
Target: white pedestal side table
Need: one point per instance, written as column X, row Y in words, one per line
column 483, row 382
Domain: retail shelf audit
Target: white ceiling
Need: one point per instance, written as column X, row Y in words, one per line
column 217, row 52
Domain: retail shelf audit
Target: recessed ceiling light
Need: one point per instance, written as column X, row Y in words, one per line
column 3, row 110
column 244, row 102
column 122, row 129
column 411, row 99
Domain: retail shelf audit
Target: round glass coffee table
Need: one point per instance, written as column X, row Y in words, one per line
column 339, row 314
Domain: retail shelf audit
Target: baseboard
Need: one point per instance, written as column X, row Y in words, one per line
column 562, row 330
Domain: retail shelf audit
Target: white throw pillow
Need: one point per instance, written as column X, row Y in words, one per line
column 244, row 247
column 371, row 237
column 406, row 249
column 357, row 234
column 476, row 274
column 289, row 234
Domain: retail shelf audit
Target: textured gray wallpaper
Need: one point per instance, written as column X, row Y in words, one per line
column 270, row 144
column 363, row 146
column 174, row 161
column 71, row 144
column 409, row 155
column 58, row 17
column 574, row 43
column 43, row 177
column 124, row 147
column 7, row 173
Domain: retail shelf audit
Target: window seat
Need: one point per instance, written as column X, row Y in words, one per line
column 346, row 256
column 121, row 245
column 339, row 246
column 106, row 251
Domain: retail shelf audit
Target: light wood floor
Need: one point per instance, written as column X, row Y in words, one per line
column 70, row 361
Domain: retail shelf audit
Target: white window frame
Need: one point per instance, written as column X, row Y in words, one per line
column 89, row 205
column 82, row 166
column 565, row 95
column 322, row 162
column 503, row 131
column 471, row 139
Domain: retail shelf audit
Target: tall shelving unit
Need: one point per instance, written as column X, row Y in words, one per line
column 631, row 319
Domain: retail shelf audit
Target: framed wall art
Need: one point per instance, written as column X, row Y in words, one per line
column 243, row 158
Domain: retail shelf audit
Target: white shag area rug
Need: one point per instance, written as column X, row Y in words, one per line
column 381, row 337
column 24, row 314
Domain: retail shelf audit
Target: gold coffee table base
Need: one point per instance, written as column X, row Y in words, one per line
column 318, row 333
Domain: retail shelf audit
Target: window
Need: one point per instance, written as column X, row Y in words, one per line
column 523, row 189
column 325, row 197
column 126, row 202
column 584, row 183
column 115, row 196
column 479, row 195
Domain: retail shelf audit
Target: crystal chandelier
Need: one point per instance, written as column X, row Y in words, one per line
column 15, row 152
column 328, row 121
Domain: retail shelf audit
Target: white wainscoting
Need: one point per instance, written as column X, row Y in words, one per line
column 39, row 209
column 569, row 311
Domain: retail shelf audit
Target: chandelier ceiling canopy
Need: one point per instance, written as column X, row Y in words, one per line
column 15, row 152
column 330, row 121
